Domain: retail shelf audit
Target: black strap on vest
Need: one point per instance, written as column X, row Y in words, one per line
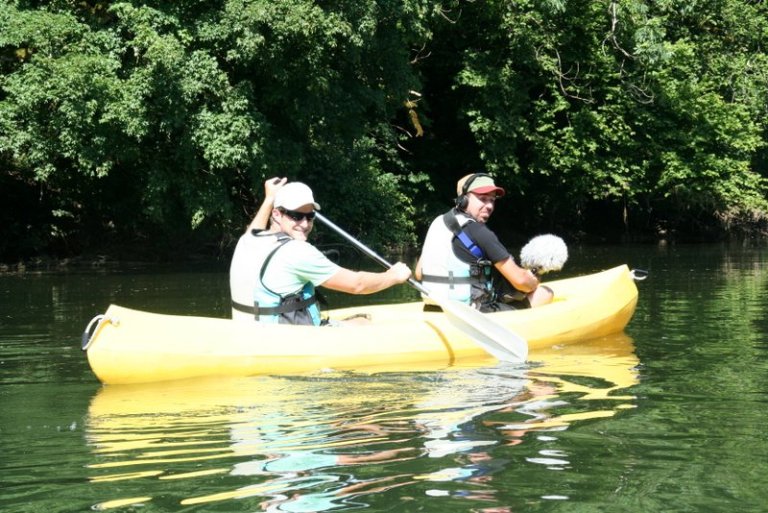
column 476, row 271
column 282, row 239
column 479, row 271
column 289, row 304
column 450, row 279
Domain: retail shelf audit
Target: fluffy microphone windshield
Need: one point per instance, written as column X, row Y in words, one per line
column 544, row 253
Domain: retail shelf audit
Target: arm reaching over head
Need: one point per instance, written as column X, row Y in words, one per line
column 261, row 219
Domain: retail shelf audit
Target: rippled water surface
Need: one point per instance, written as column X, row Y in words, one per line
column 668, row 416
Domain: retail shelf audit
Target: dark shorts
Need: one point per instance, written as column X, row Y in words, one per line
column 505, row 306
column 490, row 307
column 507, row 298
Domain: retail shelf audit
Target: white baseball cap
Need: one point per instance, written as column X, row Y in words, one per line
column 294, row 195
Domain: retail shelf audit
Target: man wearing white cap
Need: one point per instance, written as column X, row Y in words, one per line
column 462, row 257
column 274, row 272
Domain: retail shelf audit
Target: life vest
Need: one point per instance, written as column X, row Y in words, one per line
column 252, row 297
column 444, row 273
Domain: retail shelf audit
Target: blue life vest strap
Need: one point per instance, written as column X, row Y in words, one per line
column 449, row 218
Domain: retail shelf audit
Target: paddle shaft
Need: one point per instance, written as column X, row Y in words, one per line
column 365, row 249
column 492, row 337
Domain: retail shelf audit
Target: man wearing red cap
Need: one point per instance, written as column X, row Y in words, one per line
column 464, row 260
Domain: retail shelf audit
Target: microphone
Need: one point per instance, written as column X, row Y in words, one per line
column 544, row 253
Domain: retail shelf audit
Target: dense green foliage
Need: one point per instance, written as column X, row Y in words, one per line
column 153, row 124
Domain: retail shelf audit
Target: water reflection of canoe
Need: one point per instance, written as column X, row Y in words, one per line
column 263, row 437
column 131, row 346
column 610, row 362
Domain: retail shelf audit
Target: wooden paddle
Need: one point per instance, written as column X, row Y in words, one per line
column 494, row 338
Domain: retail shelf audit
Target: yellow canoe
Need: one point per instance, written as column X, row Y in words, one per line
column 131, row 346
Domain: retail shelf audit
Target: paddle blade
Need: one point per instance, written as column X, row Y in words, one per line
column 497, row 340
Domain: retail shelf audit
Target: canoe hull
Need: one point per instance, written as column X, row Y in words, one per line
column 131, row 346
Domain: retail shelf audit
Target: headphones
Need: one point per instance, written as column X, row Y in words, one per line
column 463, row 201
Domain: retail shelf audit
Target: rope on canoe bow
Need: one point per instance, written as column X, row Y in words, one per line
column 92, row 327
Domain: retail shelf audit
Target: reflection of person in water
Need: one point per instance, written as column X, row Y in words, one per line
column 483, row 466
column 293, row 471
column 458, row 424
column 277, row 447
column 534, row 402
column 295, row 474
column 297, row 462
column 331, row 499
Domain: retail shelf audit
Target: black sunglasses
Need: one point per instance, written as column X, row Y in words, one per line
column 298, row 216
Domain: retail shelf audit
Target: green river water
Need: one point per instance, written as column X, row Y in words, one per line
column 669, row 416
